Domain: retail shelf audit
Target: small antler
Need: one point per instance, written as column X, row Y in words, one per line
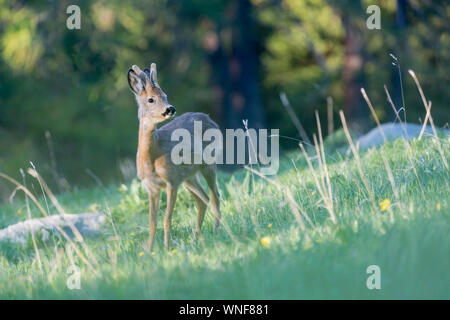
column 136, row 69
column 153, row 75
column 142, row 74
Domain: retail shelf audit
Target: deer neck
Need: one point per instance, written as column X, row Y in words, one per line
column 146, row 147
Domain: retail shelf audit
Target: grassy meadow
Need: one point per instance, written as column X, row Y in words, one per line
column 280, row 241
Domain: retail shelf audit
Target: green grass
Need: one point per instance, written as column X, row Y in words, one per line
column 410, row 241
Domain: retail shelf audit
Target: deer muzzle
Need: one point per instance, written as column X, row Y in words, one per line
column 170, row 112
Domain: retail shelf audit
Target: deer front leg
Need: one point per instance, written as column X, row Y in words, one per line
column 153, row 199
column 138, row 167
column 171, row 198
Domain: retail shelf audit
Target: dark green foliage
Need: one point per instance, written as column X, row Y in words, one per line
column 72, row 83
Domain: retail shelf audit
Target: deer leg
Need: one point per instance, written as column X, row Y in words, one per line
column 201, row 200
column 153, row 198
column 210, row 177
column 171, row 197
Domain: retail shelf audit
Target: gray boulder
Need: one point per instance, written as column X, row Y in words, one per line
column 393, row 131
column 88, row 224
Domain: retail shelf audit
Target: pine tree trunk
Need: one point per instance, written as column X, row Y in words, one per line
column 353, row 77
column 400, row 22
column 235, row 74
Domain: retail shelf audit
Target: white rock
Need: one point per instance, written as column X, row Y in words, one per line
column 88, row 224
column 393, row 131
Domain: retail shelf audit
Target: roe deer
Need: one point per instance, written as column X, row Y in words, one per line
column 154, row 165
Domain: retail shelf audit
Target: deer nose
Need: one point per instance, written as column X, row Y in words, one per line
column 170, row 111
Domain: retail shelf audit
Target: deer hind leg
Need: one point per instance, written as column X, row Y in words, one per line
column 153, row 199
column 171, row 198
column 201, row 200
column 209, row 173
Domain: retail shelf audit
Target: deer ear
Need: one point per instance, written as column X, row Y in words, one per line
column 137, row 85
column 153, row 75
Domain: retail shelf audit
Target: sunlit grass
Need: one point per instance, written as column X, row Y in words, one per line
column 272, row 256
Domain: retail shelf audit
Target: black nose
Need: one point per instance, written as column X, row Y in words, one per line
column 169, row 111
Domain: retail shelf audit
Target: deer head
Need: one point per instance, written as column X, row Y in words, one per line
column 151, row 100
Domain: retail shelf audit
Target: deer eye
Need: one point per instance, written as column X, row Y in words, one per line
column 151, row 100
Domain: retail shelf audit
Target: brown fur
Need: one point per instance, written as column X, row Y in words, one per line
column 154, row 166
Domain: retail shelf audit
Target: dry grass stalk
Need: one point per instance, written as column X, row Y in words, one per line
column 41, row 209
column 395, row 110
column 36, row 250
column 407, row 144
column 411, row 161
column 427, row 108
column 55, row 263
column 320, row 184
column 357, row 159
column 252, row 150
column 322, row 149
column 313, row 172
column 330, row 115
column 374, row 114
column 427, row 117
column 61, row 210
column 386, row 163
column 295, row 208
column 424, row 100
column 43, row 184
column 70, row 254
column 294, row 118
column 319, row 161
column 113, row 258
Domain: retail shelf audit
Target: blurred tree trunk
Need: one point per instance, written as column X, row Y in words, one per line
column 400, row 23
column 353, row 74
column 233, row 50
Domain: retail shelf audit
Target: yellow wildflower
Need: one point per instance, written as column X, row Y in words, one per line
column 438, row 206
column 307, row 245
column 19, row 211
column 93, row 207
column 141, row 254
column 355, row 226
column 269, row 226
column 384, row 205
column 265, row 241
